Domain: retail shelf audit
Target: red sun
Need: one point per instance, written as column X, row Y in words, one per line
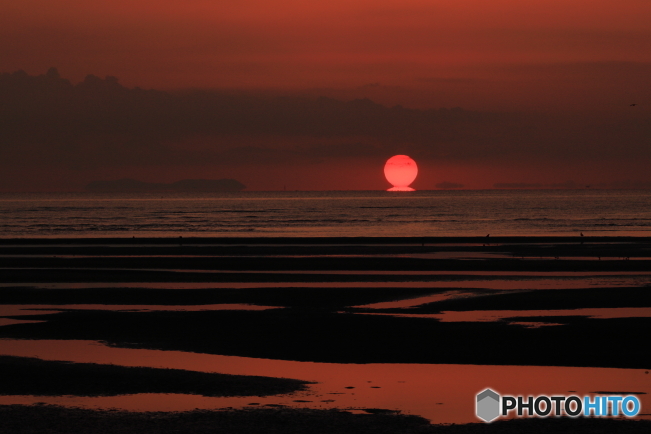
column 400, row 171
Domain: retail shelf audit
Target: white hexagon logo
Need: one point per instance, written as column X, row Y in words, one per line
column 488, row 405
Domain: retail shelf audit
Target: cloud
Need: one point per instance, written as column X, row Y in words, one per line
column 48, row 122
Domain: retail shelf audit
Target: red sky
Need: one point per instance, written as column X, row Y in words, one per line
column 577, row 60
column 450, row 49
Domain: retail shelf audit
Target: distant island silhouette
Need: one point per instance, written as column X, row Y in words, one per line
column 187, row 185
column 446, row 185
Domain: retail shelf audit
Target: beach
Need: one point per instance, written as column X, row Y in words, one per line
column 404, row 217
column 408, row 329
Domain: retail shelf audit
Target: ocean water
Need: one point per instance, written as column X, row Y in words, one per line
column 327, row 214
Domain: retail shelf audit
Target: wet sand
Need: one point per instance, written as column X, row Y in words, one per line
column 412, row 283
column 33, row 376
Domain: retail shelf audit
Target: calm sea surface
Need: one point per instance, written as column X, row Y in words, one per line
column 358, row 213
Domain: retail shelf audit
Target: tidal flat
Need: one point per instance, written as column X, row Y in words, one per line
column 368, row 316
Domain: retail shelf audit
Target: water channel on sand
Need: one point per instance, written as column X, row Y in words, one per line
column 440, row 393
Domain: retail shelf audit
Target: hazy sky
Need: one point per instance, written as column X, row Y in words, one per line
column 545, row 89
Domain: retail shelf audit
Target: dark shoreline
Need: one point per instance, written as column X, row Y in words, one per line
column 32, row 376
column 188, row 259
column 235, row 240
column 35, row 419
